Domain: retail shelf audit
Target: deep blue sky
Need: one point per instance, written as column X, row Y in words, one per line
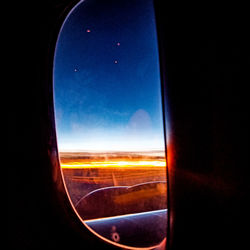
column 106, row 78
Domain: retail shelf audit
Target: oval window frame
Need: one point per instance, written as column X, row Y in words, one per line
column 57, row 173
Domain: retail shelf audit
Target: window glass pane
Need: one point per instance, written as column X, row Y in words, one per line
column 109, row 124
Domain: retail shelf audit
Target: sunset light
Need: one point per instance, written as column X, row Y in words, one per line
column 114, row 164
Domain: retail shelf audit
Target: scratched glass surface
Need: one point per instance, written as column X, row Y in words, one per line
column 109, row 124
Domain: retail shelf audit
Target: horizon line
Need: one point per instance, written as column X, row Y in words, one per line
column 110, row 151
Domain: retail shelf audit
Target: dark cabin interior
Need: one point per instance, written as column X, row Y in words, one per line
column 204, row 64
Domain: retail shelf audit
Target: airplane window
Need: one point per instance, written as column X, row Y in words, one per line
column 109, row 122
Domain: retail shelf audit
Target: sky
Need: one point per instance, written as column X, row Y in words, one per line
column 106, row 78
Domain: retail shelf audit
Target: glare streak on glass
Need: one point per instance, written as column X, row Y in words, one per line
column 105, row 164
column 109, row 124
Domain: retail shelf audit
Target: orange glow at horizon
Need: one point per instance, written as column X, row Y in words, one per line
column 114, row 164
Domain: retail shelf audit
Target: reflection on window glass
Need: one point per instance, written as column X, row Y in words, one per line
column 109, row 120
